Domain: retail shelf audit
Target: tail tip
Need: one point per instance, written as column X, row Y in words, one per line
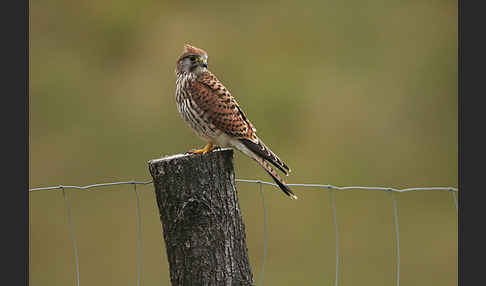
column 293, row 197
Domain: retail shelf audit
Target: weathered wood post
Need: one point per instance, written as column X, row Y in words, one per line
column 201, row 219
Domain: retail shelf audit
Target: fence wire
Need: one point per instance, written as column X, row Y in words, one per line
column 332, row 189
column 334, row 216
column 265, row 236
column 397, row 235
column 70, row 221
column 139, row 216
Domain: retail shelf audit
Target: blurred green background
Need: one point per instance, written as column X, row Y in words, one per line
column 346, row 92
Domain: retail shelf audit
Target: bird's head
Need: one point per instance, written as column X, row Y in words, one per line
column 192, row 60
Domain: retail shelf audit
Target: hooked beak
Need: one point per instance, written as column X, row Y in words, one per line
column 203, row 62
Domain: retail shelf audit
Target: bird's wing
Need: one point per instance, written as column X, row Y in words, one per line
column 222, row 110
column 220, row 107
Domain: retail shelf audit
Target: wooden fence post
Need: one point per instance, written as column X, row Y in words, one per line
column 201, row 219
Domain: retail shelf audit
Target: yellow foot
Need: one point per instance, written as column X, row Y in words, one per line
column 208, row 148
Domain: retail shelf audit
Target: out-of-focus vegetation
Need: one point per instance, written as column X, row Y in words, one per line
column 346, row 92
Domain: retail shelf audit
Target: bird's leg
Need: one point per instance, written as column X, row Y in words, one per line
column 208, row 148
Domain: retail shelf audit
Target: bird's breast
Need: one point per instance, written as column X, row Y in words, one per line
column 192, row 114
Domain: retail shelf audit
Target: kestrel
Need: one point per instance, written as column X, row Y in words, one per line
column 213, row 113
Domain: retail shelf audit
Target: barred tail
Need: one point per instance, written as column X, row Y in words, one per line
column 275, row 176
column 263, row 151
column 279, row 181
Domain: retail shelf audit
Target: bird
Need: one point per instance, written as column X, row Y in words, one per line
column 208, row 107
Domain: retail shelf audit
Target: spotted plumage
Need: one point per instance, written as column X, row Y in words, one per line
column 213, row 113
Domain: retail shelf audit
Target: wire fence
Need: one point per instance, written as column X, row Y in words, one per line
column 331, row 188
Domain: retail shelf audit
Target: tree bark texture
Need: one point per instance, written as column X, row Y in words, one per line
column 201, row 219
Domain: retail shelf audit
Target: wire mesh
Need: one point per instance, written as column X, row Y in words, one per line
column 314, row 187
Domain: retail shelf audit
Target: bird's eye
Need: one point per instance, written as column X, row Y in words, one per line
column 192, row 58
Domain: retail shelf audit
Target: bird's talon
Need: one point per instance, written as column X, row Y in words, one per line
column 208, row 148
